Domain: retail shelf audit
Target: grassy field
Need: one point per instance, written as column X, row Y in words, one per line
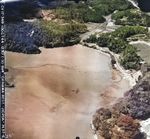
column 143, row 51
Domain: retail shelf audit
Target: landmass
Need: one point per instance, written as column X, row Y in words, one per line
column 77, row 70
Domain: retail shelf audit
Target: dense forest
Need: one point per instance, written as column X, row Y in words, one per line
column 131, row 18
column 80, row 13
column 64, row 29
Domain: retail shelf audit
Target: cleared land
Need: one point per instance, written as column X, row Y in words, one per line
column 143, row 51
column 107, row 26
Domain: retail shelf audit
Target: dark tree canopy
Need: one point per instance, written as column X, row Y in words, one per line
column 121, row 120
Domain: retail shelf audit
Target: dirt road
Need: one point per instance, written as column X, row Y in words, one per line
column 93, row 28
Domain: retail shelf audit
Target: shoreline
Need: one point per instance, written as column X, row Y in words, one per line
column 78, row 93
column 131, row 76
column 136, row 42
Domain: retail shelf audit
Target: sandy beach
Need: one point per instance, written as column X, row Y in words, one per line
column 57, row 92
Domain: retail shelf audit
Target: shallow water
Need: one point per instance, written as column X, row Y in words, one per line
column 57, row 92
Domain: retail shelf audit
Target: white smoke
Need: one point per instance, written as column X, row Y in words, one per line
column 9, row 0
column 145, row 127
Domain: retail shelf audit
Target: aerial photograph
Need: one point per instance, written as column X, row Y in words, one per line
column 77, row 69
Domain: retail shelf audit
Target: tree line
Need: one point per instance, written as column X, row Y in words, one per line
column 117, row 42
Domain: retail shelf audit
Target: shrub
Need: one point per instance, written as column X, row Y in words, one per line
column 129, row 58
column 104, row 40
column 18, row 38
column 117, row 45
column 127, row 31
column 112, row 5
column 92, row 39
column 136, row 102
column 128, row 128
column 130, row 17
column 103, row 9
column 120, row 119
column 120, row 14
column 116, row 42
column 118, row 127
column 61, row 35
column 95, row 17
column 63, row 13
column 80, row 13
column 45, row 33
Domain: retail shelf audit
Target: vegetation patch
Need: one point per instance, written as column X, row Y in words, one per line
column 60, row 35
column 79, row 12
column 121, row 120
column 140, row 37
column 117, row 42
column 26, row 37
column 131, row 17
column 109, row 6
